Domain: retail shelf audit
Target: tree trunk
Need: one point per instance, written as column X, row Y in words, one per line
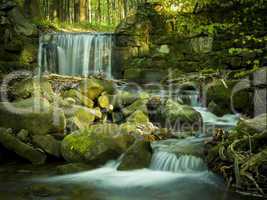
column 32, row 9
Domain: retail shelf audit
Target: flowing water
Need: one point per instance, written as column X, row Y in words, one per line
column 76, row 53
column 177, row 169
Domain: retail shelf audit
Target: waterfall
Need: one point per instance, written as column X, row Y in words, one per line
column 76, row 54
column 165, row 161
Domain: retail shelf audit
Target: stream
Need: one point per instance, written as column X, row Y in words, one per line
column 177, row 171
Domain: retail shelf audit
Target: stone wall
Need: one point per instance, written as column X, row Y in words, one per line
column 156, row 39
column 18, row 40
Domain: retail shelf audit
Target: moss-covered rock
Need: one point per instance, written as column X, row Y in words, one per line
column 95, row 145
column 179, row 117
column 139, row 104
column 79, row 98
column 138, row 156
column 122, row 99
column 47, row 143
column 38, row 87
column 22, row 149
column 138, row 117
column 35, row 115
column 92, row 87
column 229, row 97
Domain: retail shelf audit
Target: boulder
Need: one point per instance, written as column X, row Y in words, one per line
column 73, row 168
column 23, row 135
column 179, row 117
column 103, row 102
column 138, row 156
column 229, row 95
column 33, row 87
column 92, row 88
column 47, row 143
column 35, row 115
column 95, row 145
column 79, row 98
column 139, row 104
column 138, row 117
column 122, row 99
column 21, row 24
column 24, row 150
column 82, row 117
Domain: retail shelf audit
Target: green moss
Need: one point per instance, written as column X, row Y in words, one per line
column 28, row 54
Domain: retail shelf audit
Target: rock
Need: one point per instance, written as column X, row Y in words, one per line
column 95, row 145
column 92, row 88
column 164, row 49
column 33, row 87
column 139, row 104
column 22, row 25
column 137, row 129
column 44, row 190
column 179, row 117
column 8, row 5
column 79, row 98
column 35, row 115
column 138, row 156
column 103, row 102
column 81, row 116
column 255, row 125
column 23, row 135
column 24, row 150
column 138, row 117
column 122, row 99
column 232, row 94
column 73, row 168
column 47, row 143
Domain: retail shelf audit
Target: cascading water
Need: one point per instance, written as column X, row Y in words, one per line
column 165, row 161
column 76, row 54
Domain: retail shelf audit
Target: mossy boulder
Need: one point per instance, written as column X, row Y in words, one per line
column 95, row 145
column 122, row 99
column 22, row 149
column 79, row 98
column 82, row 116
column 179, row 117
column 138, row 156
column 138, row 117
column 29, row 54
column 139, row 104
column 35, row 115
column 47, row 143
column 33, row 87
column 92, row 87
column 230, row 96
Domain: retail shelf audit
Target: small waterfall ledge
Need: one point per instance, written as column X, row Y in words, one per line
column 165, row 161
column 79, row 54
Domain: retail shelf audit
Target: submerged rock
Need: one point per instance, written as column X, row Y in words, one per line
column 73, row 168
column 138, row 156
column 47, row 143
column 22, row 149
column 35, row 115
